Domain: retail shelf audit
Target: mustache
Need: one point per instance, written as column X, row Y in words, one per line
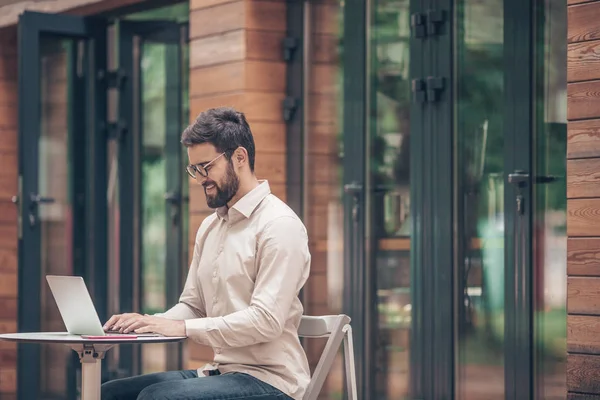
column 208, row 183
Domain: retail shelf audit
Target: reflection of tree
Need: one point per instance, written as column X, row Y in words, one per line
column 153, row 233
column 481, row 100
column 154, row 67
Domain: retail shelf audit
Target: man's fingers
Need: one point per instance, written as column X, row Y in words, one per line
column 112, row 321
column 145, row 329
column 137, row 324
column 129, row 321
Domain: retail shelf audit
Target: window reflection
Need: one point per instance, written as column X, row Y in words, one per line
column 549, row 216
column 324, row 212
column 480, row 193
column 388, row 167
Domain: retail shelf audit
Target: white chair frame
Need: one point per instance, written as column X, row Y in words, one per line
column 338, row 329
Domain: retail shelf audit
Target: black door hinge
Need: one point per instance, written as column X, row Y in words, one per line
column 290, row 44
column 427, row 89
column 417, row 23
column 435, row 86
column 116, row 130
column 428, row 23
column 435, row 19
column 290, row 104
column 114, row 79
column 418, row 90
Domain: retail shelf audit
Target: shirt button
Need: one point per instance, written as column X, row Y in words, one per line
column 214, row 299
column 215, row 274
column 218, row 351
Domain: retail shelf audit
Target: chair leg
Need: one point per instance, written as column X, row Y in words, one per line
column 349, row 363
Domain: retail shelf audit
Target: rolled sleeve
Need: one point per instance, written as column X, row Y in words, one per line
column 283, row 267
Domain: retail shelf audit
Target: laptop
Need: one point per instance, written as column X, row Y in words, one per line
column 77, row 309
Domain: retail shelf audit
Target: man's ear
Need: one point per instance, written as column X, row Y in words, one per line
column 240, row 155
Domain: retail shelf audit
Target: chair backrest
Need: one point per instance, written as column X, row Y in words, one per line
column 317, row 327
column 331, row 326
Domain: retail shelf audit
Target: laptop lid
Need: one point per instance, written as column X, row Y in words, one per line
column 75, row 305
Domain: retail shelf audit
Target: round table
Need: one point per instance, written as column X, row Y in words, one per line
column 90, row 351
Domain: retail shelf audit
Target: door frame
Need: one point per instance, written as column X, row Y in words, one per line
column 88, row 117
column 519, row 129
column 131, row 34
column 434, row 242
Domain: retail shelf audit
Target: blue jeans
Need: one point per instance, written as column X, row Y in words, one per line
column 186, row 385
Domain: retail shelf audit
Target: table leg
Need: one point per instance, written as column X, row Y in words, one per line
column 91, row 370
column 91, row 374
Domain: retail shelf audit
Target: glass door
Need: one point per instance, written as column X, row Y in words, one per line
column 510, row 136
column 152, row 198
column 61, row 106
column 388, row 196
column 480, row 179
column 378, row 120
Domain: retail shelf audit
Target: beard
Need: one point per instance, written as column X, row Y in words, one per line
column 225, row 190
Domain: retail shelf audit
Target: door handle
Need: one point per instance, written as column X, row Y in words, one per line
column 354, row 189
column 175, row 199
column 520, row 179
column 547, row 178
column 35, row 200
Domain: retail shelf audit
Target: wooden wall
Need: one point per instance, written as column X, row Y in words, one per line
column 236, row 60
column 8, row 211
column 324, row 219
column 583, row 204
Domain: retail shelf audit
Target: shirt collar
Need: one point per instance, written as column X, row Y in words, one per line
column 247, row 204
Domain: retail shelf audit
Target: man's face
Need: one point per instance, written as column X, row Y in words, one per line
column 222, row 182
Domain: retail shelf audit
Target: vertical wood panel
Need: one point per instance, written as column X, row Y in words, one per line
column 583, row 204
column 583, row 139
column 583, row 22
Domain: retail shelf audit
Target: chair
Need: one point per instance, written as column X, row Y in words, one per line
column 338, row 329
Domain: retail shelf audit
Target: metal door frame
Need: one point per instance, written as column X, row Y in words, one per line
column 88, row 117
column 129, row 37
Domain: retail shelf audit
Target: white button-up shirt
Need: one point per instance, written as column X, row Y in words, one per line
column 241, row 294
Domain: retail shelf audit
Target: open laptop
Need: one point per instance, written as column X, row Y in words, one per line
column 77, row 309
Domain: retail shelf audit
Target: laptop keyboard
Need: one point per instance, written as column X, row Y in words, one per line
column 117, row 333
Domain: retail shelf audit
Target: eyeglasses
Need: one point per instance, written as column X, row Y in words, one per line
column 192, row 169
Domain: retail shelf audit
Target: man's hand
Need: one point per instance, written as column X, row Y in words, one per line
column 137, row 323
column 119, row 322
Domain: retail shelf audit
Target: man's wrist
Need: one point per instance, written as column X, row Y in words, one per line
column 183, row 322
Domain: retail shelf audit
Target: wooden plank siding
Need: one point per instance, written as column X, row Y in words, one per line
column 324, row 219
column 583, row 200
column 8, row 211
column 236, row 60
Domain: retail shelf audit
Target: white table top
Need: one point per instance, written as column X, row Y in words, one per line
column 66, row 338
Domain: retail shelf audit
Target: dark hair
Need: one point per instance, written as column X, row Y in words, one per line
column 224, row 128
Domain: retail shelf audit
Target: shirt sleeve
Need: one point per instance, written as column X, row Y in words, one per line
column 283, row 267
column 191, row 302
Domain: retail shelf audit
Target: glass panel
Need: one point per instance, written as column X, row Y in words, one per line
column 113, row 205
column 178, row 12
column 153, row 186
column 549, row 214
column 480, row 192
column 185, row 187
column 388, row 167
column 55, row 176
column 323, row 181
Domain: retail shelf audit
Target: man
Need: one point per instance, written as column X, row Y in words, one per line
column 250, row 261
